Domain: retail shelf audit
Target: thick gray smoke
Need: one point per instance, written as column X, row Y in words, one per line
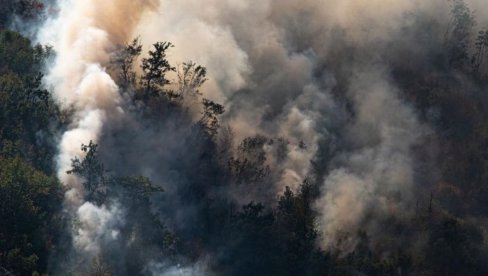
column 268, row 64
column 374, row 178
column 306, row 71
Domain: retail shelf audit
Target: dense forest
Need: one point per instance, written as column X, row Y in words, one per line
column 369, row 154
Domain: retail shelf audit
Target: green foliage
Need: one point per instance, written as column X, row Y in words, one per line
column 29, row 198
column 27, row 112
column 29, row 201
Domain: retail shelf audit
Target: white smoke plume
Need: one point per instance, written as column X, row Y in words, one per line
column 83, row 36
column 97, row 224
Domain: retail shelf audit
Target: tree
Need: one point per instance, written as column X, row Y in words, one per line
column 249, row 165
column 252, row 248
column 99, row 267
column 190, row 78
column 295, row 223
column 155, row 68
column 27, row 9
column 92, row 171
column 29, row 201
column 28, row 113
column 142, row 233
column 126, row 61
column 209, row 120
column 453, row 248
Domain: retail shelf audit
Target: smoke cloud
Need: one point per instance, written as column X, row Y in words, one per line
column 276, row 82
column 83, row 35
column 312, row 73
column 374, row 177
